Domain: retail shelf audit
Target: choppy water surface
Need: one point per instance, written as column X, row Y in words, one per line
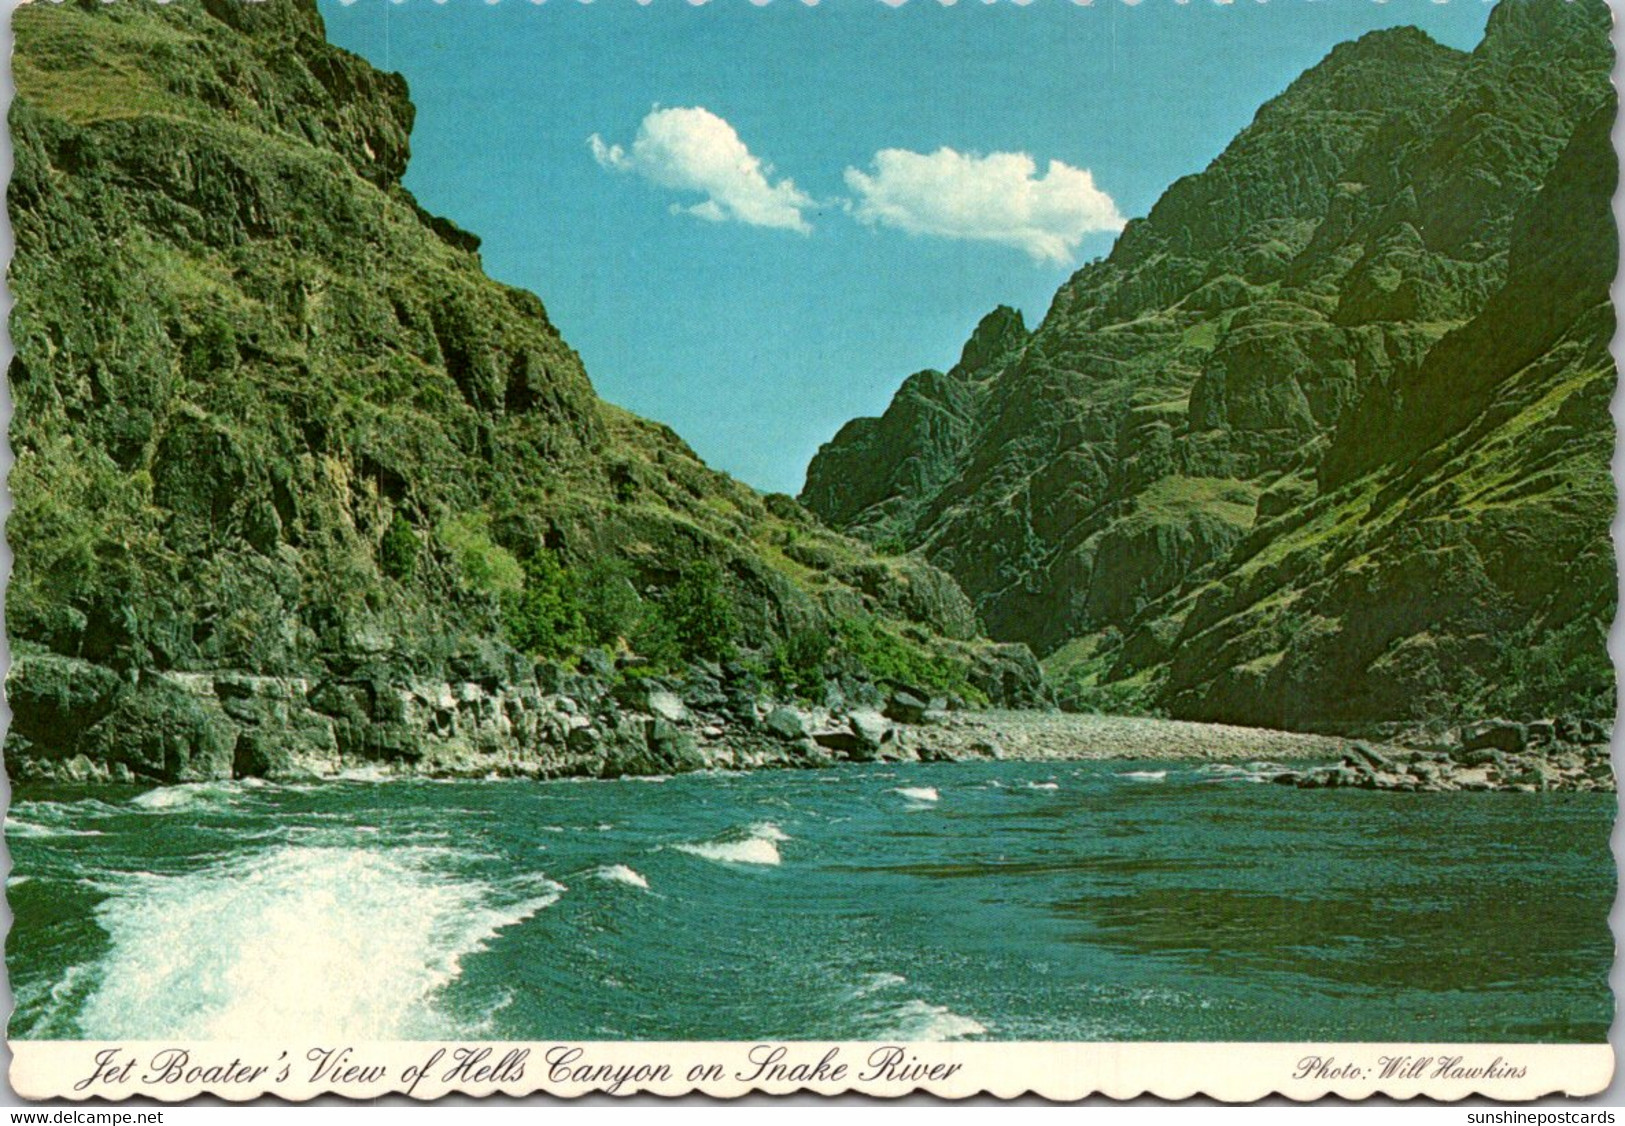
column 1077, row 901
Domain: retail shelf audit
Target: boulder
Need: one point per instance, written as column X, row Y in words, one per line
column 1483, row 756
column 641, row 746
column 667, row 706
column 597, row 663
column 657, row 701
column 1364, row 756
column 869, row 727
column 1542, row 731
column 704, row 692
column 842, row 742
column 906, row 706
column 54, row 699
column 164, row 732
column 988, row 748
column 1495, row 734
column 786, row 723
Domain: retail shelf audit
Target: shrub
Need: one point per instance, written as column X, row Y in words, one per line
column 482, row 566
column 398, row 553
column 212, row 352
column 1549, row 672
column 797, row 664
column 693, row 621
column 882, row 655
column 610, row 606
column 544, row 617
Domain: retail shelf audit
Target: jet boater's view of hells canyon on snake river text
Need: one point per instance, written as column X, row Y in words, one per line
column 1215, row 651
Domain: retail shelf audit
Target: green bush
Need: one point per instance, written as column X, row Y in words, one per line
column 1114, row 698
column 797, row 665
column 1552, row 672
column 482, row 566
column 544, row 617
column 212, row 352
column 610, row 607
column 693, row 621
column 398, row 553
column 883, row 656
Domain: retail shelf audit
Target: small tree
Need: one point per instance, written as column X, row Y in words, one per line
column 610, row 606
column 694, row 621
column 483, row 566
column 797, row 664
column 544, row 616
column 398, row 553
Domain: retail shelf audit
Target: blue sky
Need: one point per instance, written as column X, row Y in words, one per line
column 754, row 222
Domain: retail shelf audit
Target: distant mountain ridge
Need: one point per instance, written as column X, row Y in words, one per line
column 1325, row 440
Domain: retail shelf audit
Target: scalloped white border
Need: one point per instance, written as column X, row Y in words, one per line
column 1230, row 1072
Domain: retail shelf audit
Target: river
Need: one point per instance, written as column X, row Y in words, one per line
column 1101, row 900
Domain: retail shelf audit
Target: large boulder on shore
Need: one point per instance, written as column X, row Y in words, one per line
column 650, row 746
column 1495, row 734
column 164, row 732
column 786, row 723
column 54, row 699
column 907, row 706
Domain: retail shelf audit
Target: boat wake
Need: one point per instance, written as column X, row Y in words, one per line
column 315, row 941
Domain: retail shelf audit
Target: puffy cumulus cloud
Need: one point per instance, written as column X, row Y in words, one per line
column 994, row 198
column 694, row 150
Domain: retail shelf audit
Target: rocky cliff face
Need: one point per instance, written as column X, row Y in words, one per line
column 1186, row 485
column 273, row 421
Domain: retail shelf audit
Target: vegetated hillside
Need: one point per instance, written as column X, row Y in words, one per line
column 1325, row 440
column 272, row 417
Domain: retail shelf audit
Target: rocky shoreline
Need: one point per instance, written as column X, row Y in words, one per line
column 79, row 723
column 1489, row 755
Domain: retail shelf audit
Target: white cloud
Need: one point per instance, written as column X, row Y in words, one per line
column 994, row 198
column 694, row 150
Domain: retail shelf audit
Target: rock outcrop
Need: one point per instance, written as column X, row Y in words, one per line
column 1547, row 764
column 75, row 723
column 292, row 472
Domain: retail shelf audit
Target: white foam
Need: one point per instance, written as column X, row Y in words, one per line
column 874, row 983
column 299, row 941
column 918, row 793
column 55, row 1021
column 1043, row 785
column 759, row 846
column 621, row 874
column 17, row 881
column 187, row 794
column 56, row 812
column 1144, row 775
column 1247, row 772
column 752, row 850
column 919, row 1020
column 16, row 826
column 370, row 773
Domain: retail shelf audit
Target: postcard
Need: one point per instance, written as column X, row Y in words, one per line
column 660, row 546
